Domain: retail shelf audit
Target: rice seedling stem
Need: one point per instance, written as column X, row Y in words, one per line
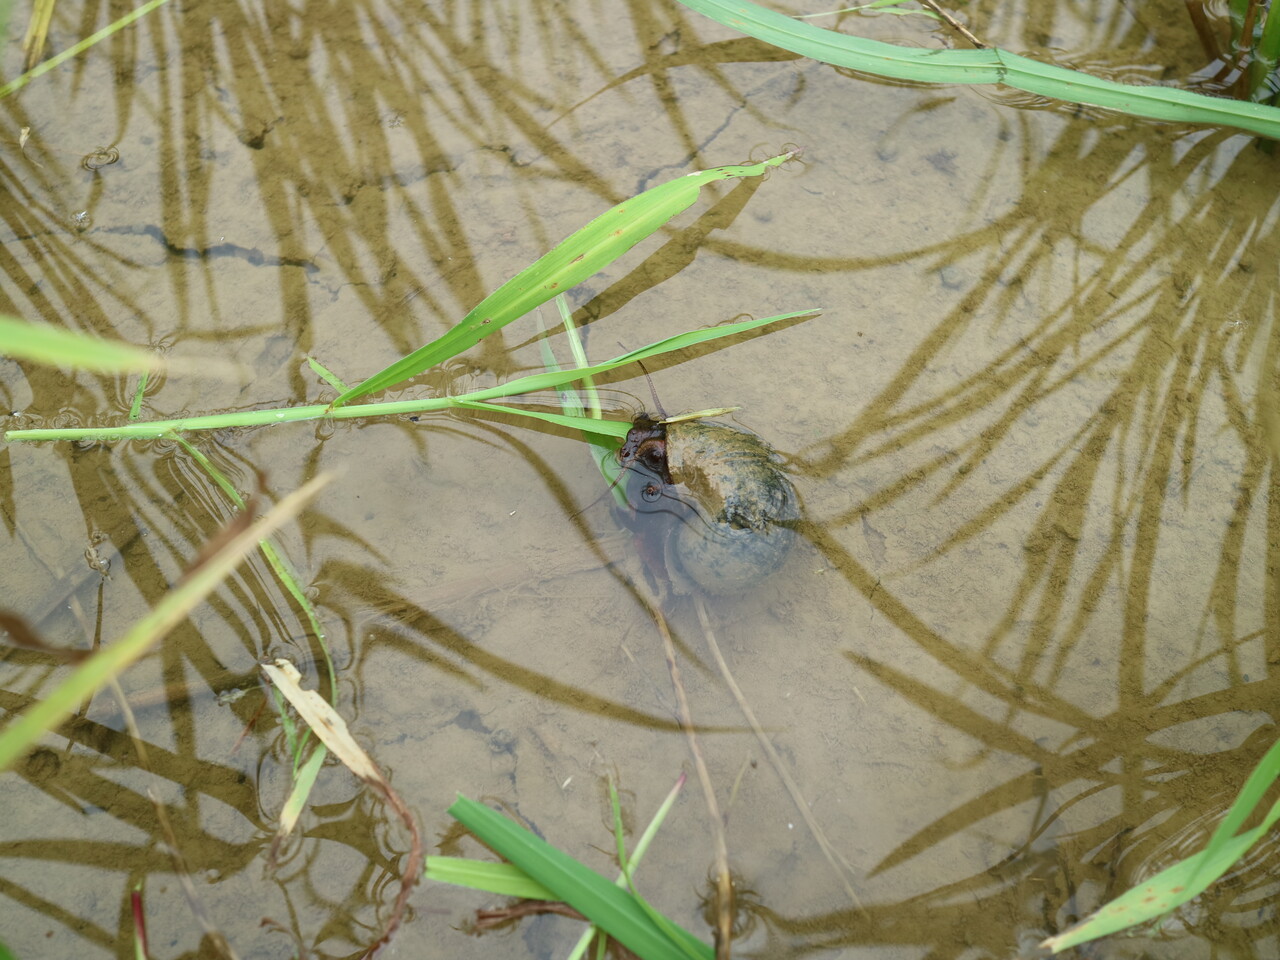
column 724, row 880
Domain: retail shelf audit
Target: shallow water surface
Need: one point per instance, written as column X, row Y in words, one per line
column 1021, row 658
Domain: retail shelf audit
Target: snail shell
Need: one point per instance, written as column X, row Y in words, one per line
column 740, row 508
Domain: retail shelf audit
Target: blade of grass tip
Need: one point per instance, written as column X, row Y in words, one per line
column 1167, row 890
column 628, row 870
column 619, row 836
column 568, row 398
column 327, row 375
column 600, row 428
column 611, row 908
column 1188, row 878
column 543, row 381
column 604, row 454
column 580, row 255
column 303, row 780
column 294, row 743
column 580, row 360
column 37, row 32
column 42, row 68
column 108, row 661
column 506, row 879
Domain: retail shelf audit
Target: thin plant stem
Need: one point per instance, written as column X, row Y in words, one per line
column 724, row 882
column 954, row 24
column 838, row 864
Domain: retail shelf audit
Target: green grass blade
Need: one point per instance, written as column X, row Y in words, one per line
column 609, row 430
column 692, row 338
column 108, row 661
column 1165, row 891
column 1175, row 885
column 604, row 454
column 628, row 876
column 991, row 65
column 581, row 254
column 506, row 879
column 66, row 348
column 540, row 381
column 607, row 906
column 304, row 778
column 1250, row 795
column 41, row 68
column 886, row 6
column 327, row 375
column 503, row 879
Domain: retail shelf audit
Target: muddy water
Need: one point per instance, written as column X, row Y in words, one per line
column 1021, row 659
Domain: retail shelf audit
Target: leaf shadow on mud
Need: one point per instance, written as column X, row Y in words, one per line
column 1145, row 374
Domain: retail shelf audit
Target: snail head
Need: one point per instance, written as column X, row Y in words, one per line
column 646, row 445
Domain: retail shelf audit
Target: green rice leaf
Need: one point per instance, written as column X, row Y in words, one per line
column 1187, row 879
column 607, row 429
column 288, row 579
column 1167, row 890
column 503, row 879
column 40, row 68
column 571, row 261
column 327, row 375
column 1250, row 795
column 304, row 779
column 991, row 65
column 612, row 909
column 109, row 660
column 67, row 348
column 539, row 381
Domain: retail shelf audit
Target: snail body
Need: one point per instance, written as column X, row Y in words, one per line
column 734, row 509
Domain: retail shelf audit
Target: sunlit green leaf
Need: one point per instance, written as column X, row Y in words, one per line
column 609, row 907
column 537, row 381
column 67, row 348
column 112, row 658
column 1175, row 885
column 503, row 879
column 581, row 254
